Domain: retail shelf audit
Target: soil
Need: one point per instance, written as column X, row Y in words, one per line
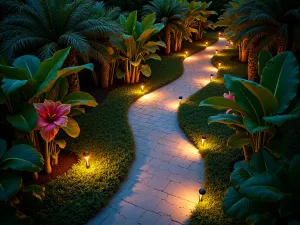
column 65, row 162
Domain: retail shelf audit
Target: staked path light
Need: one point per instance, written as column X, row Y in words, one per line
column 202, row 192
column 217, row 51
column 203, row 139
column 219, row 64
column 186, row 53
column 180, row 99
column 86, row 155
column 206, row 43
column 142, row 87
column 211, row 77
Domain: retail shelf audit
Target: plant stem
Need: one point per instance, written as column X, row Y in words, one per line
column 47, row 163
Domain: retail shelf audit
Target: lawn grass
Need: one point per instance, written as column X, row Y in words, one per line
column 106, row 135
column 218, row 157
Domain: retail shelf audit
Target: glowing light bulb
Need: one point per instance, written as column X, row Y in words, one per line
column 226, row 46
column 219, row 64
column 206, row 43
column 211, row 77
column 202, row 192
column 186, row 53
column 180, row 99
column 217, row 52
column 86, row 155
column 142, row 87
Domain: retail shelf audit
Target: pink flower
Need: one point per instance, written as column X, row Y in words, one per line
column 229, row 96
column 51, row 116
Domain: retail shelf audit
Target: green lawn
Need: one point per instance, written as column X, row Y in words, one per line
column 106, row 134
column 218, row 157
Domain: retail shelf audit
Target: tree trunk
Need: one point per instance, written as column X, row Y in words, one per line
column 104, row 80
column 35, row 175
column 245, row 51
column 168, row 40
column 73, row 79
column 240, row 51
column 252, row 61
column 47, row 159
column 281, row 45
column 248, row 152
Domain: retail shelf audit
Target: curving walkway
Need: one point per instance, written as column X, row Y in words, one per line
column 163, row 184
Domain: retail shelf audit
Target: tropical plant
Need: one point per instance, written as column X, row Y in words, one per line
column 30, row 82
column 265, row 190
column 135, row 45
column 20, row 157
column 171, row 13
column 42, row 27
column 257, row 109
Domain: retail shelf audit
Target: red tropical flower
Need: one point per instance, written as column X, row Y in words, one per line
column 51, row 116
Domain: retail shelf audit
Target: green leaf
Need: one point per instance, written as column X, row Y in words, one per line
column 146, row 35
column 155, row 43
column 59, row 90
column 226, row 119
column 263, row 188
column 281, row 77
column 120, row 74
column 148, row 21
column 294, row 172
column 22, row 157
column 138, row 29
column 14, row 73
column 26, row 120
column 266, row 98
column 118, row 43
column 146, row 70
column 280, row 119
column 72, row 128
column 244, row 98
column 29, row 63
column 78, row 98
column 130, row 46
column 74, row 69
column 47, row 74
column 222, row 103
column 239, row 176
column 76, row 111
column 61, row 143
column 260, row 219
column 130, row 22
column 239, row 140
column 10, row 183
column 158, row 27
column 9, row 86
column 252, row 126
column 236, row 205
column 263, row 58
column 123, row 21
column 263, row 161
column 135, row 63
column 3, row 146
column 152, row 56
column 36, row 190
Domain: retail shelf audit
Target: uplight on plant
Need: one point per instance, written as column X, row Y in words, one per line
column 203, row 139
column 86, row 156
column 142, row 87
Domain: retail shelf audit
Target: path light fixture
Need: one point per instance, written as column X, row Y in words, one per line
column 219, row 33
column 180, row 99
column 203, row 139
column 142, row 87
column 202, row 192
column 217, row 51
column 86, row 155
column 226, row 46
column 186, row 53
column 206, row 43
column 219, row 64
column 231, row 42
column 211, row 77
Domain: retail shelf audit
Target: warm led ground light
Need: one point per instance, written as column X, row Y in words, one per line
column 211, row 77
column 226, row 46
column 217, row 51
column 142, row 87
column 186, row 53
column 219, row 64
column 180, row 99
column 203, row 139
column 202, row 192
column 86, row 155
column 206, row 43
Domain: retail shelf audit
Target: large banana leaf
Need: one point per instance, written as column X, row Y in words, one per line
column 148, row 21
column 237, row 205
column 146, row 35
column 130, row 22
column 155, row 43
column 222, row 103
column 47, row 74
column 281, row 77
column 130, row 46
column 10, row 183
column 14, row 73
column 24, row 121
column 263, row 59
column 245, row 98
column 22, row 157
column 265, row 162
column 9, row 86
column 226, row 119
column 239, row 176
column 29, row 63
column 263, row 188
column 253, row 126
column 59, row 90
column 145, row 70
column 72, row 128
column 239, row 140
column 74, row 69
column 119, row 44
column 78, row 98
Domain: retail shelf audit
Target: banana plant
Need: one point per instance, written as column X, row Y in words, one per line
column 259, row 108
column 264, row 190
column 29, row 81
column 20, row 157
column 135, row 46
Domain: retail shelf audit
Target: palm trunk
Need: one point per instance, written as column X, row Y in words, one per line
column 168, row 39
column 281, row 45
column 198, row 35
column 104, row 80
column 248, row 152
column 252, row 61
column 240, row 51
column 73, row 79
column 245, row 52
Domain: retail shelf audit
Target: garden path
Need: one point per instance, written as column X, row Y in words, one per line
column 163, row 183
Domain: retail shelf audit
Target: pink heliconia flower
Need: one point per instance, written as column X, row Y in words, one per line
column 51, row 116
column 229, row 96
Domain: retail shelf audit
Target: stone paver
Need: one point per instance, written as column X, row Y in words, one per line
column 162, row 186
